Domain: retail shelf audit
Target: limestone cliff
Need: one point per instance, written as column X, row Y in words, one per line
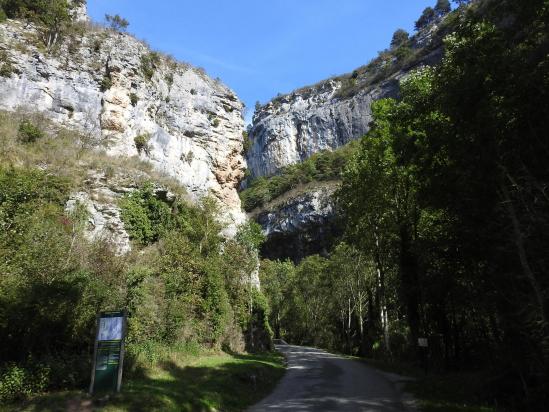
column 115, row 90
column 292, row 127
column 303, row 223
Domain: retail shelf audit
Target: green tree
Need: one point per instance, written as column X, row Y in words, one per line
column 427, row 17
column 399, row 38
column 442, row 7
column 117, row 22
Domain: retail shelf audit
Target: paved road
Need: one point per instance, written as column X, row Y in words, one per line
column 319, row 381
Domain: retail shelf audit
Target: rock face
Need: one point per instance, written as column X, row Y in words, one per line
column 303, row 225
column 293, row 127
column 325, row 116
column 137, row 103
column 99, row 197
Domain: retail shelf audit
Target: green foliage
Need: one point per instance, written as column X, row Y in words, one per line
column 144, row 216
column 142, row 142
column 446, row 217
column 247, row 143
column 320, row 166
column 6, row 65
column 116, row 22
column 442, row 7
column 149, row 64
column 400, row 37
column 427, row 17
column 29, row 132
column 106, row 83
column 17, row 383
column 134, row 99
column 54, row 17
column 250, row 235
column 189, row 288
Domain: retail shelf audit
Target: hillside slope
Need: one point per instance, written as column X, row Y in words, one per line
column 329, row 114
column 131, row 101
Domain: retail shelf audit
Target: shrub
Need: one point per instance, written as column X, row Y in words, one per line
column 106, row 83
column 18, row 382
column 29, row 132
column 96, row 46
column 145, row 217
column 6, row 65
column 149, row 63
column 134, row 99
column 215, row 122
column 142, row 142
column 246, row 143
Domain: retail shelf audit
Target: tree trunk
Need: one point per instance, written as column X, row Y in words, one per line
column 523, row 257
column 410, row 284
column 382, row 298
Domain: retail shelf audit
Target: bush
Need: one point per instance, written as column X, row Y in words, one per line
column 29, row 132
column 6, row 65
column 149, row 63
column 134, row 99
column 142, row 142
column 106, row 83
column 18, row 383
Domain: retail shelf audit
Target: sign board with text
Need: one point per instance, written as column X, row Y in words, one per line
column 108, row 356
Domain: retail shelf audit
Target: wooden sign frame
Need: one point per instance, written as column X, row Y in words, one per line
column 111, row 351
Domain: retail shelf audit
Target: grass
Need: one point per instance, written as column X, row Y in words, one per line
column 441, row 392
column 70, row 154
column 207, row 382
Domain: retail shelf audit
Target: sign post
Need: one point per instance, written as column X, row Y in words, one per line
column 423, row 343
column 108, row 352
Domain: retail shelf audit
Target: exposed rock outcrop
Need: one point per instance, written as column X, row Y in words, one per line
column 302, row 225
column 100, row 196
column 294, row 127
column 138, row 103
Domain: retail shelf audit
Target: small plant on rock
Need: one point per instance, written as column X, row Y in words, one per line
column 106, row 83
column 142, row 142
column 29, row 132
column 134, row 99
column 116, row 22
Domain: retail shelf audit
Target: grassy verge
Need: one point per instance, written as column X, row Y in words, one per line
column 437, row 392
column 206, row 382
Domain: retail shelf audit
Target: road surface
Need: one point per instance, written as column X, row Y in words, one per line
column 319, row 381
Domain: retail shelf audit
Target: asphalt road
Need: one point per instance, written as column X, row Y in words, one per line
column 319, row 381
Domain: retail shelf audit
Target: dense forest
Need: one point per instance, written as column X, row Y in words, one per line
column 183, row 284
column 446, row 212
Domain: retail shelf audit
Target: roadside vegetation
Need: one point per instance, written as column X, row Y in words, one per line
column 183, row 284
column 181, row 379
column 445, row 204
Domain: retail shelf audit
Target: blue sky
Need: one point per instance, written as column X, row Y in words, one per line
column 263, row 47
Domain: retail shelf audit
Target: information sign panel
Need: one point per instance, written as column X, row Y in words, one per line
column 108, row 355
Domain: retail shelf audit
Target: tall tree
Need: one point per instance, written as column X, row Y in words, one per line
column 443, row 7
